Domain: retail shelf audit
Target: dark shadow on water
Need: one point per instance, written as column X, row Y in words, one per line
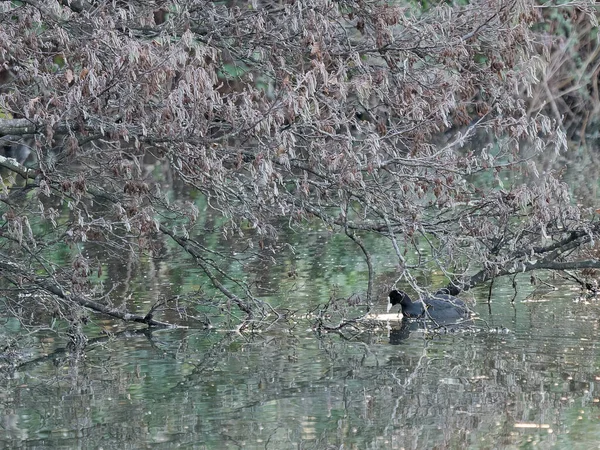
column 397, row 335
column 401, row 333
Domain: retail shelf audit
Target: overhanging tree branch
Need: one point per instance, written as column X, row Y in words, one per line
column 53, row 288
column 17, row 126
column 14, row 166
column 188, row 246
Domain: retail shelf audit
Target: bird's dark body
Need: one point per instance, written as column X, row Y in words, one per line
column 440, row 307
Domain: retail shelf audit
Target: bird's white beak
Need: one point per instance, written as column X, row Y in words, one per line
column 389, row 305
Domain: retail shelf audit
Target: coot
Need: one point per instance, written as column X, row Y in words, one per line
column 440, row 307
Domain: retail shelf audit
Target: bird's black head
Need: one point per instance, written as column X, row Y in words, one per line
column 396, row 298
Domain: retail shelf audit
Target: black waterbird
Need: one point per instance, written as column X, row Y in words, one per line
column 439, row 307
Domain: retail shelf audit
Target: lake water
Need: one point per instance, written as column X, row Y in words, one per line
column 525, row 375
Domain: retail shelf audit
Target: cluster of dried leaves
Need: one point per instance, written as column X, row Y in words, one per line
column 371, row 116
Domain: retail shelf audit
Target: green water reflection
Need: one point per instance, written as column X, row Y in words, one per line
column 527, row 377
column 535, row 385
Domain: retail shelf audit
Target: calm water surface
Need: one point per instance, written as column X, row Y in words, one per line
column 527, row 377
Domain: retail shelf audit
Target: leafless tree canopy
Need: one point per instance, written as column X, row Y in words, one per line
column 374, row 117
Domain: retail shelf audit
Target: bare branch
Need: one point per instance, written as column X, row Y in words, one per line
column 17, row 127
column 8, row 267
